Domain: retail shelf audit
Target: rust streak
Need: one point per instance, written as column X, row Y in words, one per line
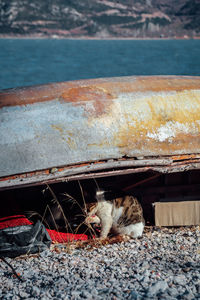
column 97, row 95
column 184, row 157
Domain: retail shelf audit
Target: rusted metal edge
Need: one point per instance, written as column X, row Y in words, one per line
column 55, row 174
column 108, row 169
column 77, row 89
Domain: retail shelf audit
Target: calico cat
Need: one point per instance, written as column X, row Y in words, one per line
column 124, row 215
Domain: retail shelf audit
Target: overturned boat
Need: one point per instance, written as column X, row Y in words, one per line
column 100, row 128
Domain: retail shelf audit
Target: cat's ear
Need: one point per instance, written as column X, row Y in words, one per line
column 99, row 193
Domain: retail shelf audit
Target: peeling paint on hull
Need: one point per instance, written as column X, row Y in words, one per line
column 70, row 123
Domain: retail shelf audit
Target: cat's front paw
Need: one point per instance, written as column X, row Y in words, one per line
column 126, row 237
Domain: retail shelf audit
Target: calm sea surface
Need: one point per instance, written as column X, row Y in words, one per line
column 29, row 62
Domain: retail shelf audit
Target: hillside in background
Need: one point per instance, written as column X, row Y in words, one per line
column 100, row 18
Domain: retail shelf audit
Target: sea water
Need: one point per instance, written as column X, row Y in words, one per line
column 26, row 62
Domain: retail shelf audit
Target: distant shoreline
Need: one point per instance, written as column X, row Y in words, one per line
column 6, row 36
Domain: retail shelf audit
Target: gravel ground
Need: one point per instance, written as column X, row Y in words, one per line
column 163, row 264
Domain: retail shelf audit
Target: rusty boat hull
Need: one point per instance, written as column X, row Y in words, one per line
column 99, row 127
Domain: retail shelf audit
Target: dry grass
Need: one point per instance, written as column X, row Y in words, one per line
column 72, row 202
column 89, row 244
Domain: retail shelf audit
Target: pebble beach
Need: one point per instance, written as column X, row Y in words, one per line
column 163, row 264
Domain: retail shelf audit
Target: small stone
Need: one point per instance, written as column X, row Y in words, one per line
column 103, row 291
column 23, row 294
column 76, row 293
column 145, row 265
column 173, row 292
column 186, row 270
column 86, row 294
column 192, row 240
column 133, row 295
column 35, row 291
column 94, row 292
column 188, row 295
column 188, row 264
column 159, row 286
column 180, row 279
